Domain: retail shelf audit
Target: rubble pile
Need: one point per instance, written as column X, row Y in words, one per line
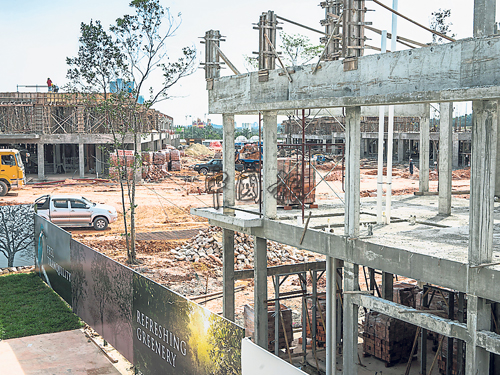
column 207, row 244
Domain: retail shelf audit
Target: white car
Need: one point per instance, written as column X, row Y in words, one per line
column 75, row 211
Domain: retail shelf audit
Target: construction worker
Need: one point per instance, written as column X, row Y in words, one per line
column 49, row 84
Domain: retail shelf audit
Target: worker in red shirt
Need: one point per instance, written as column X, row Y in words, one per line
column 49, row 84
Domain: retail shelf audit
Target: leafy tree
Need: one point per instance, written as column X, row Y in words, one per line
column 138, row 50
column 298, row 49
column 440, row 23
column 99, row 59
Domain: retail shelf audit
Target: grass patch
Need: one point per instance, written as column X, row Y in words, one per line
column 29, row 307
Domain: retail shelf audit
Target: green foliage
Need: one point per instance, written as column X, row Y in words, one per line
column 298, row 49
column 143, row 38
column 99, row 60
column 138, row 49
column 29, row 307
column 440, row 23
column 208, row 132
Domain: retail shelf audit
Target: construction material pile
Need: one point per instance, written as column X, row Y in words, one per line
column 249, row 152
column 197, row 149
column 289, row 189
column 208, row 245
column 387, row 338
column 155, row 165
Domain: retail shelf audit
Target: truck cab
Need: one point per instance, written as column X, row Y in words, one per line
column 12, row 175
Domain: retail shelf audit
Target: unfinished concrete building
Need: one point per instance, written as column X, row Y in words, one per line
column 455, row 245
column 68, row 135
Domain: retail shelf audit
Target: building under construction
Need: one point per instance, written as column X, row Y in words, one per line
column 66, row 134
column 450, row 247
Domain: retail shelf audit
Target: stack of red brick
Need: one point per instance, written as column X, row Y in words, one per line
column 387, row 338
column 286, row 313
column 289, row 188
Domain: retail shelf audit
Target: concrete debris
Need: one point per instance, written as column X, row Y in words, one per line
column 208, row 245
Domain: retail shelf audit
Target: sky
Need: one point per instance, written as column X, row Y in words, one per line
column 36, row 37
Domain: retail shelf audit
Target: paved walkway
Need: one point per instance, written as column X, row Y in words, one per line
column 59, row 353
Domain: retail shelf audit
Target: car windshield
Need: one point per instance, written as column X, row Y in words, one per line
column 88, row 202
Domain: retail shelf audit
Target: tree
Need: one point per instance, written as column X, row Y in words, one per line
column 440, row 23
column 296, row 50
column 99, row 59
column 139, row 48
column 16, row 232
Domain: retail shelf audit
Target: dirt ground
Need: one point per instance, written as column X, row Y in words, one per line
column 165, row 206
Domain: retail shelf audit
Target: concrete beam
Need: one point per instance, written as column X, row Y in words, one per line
column 430, row 322
column 445, row 158
column 489, row 341
column 418, row 266
column 472, row 72
column 81, row 138
column 286, row 269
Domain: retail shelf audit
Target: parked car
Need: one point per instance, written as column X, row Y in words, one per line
column 75, row 211
column 214, row 166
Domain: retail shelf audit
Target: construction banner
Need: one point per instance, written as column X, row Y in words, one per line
column 173, row 335
column 52, row 257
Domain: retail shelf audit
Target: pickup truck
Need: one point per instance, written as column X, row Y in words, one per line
column 214, row 166
column 75, row 211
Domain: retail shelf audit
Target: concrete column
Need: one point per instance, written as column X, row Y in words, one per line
column 445, row 158
column 482, row 180
column 228, row 192
column 350, row 349
column 324, row 147
column 477, row 359
column 484, row 18
column 456, row 148
column 352, row 181
column 228, row 274
column 331, row 307
column 387, row 286
column 81, row 160
column 424, row 145
column 260, row 292
column 98, row 163
column 362, row 148
column 401, row 149
column 270, row 164
column 41, row 161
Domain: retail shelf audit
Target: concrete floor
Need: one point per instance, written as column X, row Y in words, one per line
column 69, row 352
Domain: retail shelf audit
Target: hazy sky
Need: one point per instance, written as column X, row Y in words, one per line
column 37, row 36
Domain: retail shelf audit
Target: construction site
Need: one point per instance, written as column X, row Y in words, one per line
column 358, row 239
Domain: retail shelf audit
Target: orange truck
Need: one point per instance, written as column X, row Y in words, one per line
column 12, row 175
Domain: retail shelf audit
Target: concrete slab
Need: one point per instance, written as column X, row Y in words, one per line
column 67, row 352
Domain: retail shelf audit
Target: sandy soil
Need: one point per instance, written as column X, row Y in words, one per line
column 165, row 205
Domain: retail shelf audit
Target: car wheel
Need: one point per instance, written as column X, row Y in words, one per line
column 204, row 171
column 100, row 223
column 3, row 188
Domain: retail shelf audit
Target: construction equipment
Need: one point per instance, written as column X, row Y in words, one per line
column 12, row 175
